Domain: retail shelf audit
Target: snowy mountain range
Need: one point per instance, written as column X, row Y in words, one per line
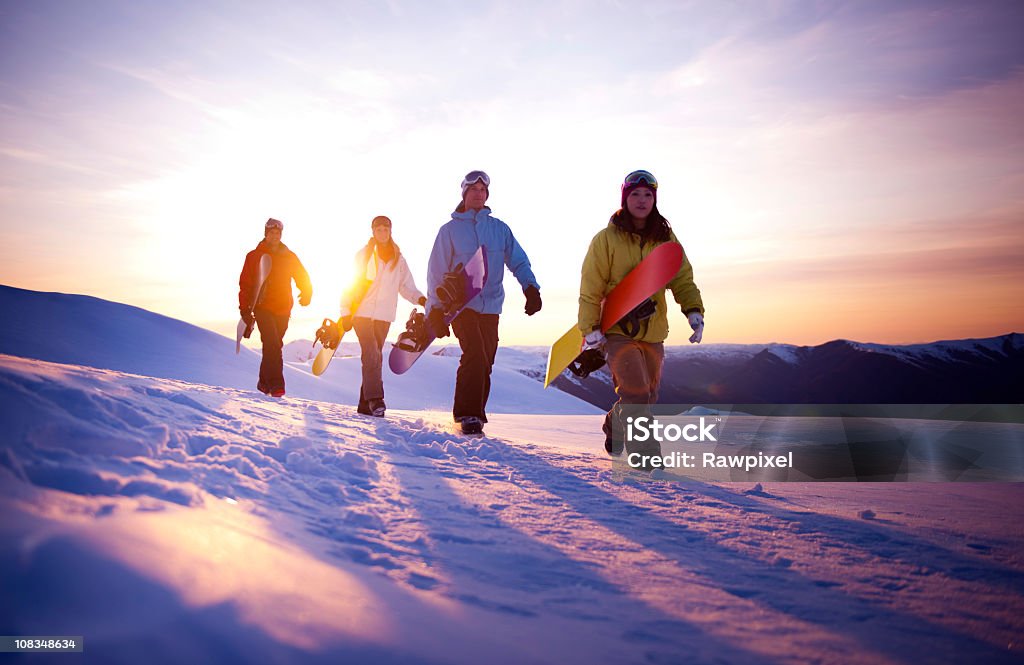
column 107, row 335
column 972, row 371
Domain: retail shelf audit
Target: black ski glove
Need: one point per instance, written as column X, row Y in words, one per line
column 435, row 319
column 533, row 303
column 247, row 316
column 345, row 322
column 422, row 301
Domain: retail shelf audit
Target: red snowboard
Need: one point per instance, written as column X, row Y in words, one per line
column 649, row 276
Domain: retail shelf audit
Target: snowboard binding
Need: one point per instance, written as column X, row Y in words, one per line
column 452, row 289
column 415, row 332
column 587, row 362
column 328, row 334
column 630, row 323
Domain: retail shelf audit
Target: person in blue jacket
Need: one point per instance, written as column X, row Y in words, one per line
column 476, row 328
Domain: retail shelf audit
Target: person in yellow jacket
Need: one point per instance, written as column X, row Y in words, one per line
column 635, row 360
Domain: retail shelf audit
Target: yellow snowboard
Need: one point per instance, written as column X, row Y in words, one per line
column 563, row 352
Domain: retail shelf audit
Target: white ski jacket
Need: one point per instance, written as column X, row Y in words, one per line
column 387, row 281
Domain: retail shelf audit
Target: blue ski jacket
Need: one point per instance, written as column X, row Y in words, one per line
column 456, row 243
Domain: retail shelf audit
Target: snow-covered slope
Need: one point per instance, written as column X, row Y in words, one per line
column 170, row 522
column 157, row 506
column 87, row 331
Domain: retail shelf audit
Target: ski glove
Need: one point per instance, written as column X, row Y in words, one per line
column 435, row 319
column 422, row 302
column 697, row 323
column 247, row 316
column 533, row 302
column 345, row 322
column 594, row 340
column 304, row 299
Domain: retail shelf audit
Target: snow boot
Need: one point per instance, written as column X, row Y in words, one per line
column 611, row 446
column 471, row 425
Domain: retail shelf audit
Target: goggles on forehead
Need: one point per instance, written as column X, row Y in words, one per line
column 274, row 224
column 641, row 178
column 475, row 176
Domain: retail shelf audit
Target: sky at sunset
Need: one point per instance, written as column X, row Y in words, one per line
column 833, row 169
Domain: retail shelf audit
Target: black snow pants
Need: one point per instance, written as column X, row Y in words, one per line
column 478, row 338
column 272, row 329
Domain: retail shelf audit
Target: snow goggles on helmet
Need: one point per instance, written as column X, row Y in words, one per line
column 274, row 224
column 640, row 177
column 474, row 177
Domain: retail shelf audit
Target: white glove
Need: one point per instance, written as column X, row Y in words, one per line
column 697, row 323
column 593, row 340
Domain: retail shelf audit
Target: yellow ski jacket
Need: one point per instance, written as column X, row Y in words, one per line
column 612, row 254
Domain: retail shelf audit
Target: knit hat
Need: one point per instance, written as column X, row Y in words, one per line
column 380, row 220
column 637, row 179
column 474, row 177
column 273, row 224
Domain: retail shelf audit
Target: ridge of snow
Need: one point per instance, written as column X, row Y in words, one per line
column 948, row 350
column 108, row 335
column 787, row 353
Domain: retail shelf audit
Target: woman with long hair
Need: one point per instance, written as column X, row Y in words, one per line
column 370, row 304
column 635, row 352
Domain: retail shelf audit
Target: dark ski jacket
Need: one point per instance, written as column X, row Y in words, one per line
column 277, row 296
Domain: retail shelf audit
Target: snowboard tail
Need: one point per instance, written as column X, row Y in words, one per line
column 243, row 329
column 326, row 353
column 562, row 353
column 357, row 292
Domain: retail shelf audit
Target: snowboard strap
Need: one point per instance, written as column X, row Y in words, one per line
column 630, row 323
column 415, row 332
column 452, row 289
column 327, row 334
